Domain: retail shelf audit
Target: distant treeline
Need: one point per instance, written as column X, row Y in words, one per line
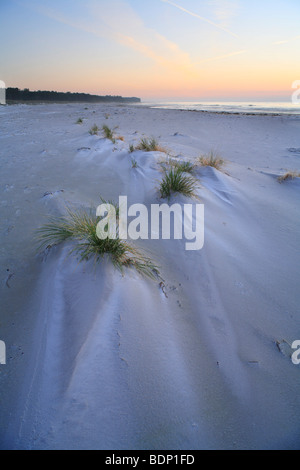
column 15, row 94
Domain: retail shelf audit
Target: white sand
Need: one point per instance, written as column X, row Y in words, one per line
column 100, row 361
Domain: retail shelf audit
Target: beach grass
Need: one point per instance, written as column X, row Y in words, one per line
column 184, row 166
column 108, row 133
column 79, row 121
column 289, row 175
column 150, row 145
column 212, row 159
column 175, row 181
column 94, row 130
column 134, row 163
column 81, row 228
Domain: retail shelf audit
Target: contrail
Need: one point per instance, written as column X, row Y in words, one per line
column 200, row 17
column 225, row 56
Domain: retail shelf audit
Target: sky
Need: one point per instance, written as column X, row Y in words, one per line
column 153, row 49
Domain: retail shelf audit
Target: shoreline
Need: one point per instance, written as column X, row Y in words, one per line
column 149, row 106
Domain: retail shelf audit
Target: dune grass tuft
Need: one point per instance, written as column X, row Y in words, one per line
column 81, row 228
column 290, row 175
column 212, row 159
column 184, row 166
column 79, row 121
column 134, row 163
column 149, row 145
column 175, row 181
column 94, row 130
column 108, row 133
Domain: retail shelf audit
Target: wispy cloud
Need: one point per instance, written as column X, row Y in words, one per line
column 128, row 29
column 117, row 21
column 202, row 18
column 224, row 56
column 224, row 10
column 286, row 41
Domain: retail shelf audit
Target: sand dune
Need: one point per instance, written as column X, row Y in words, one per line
column 97, row 360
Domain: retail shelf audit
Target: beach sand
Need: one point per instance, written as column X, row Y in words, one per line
column 97, row 360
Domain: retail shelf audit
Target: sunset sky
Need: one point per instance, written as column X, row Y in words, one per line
column 154, row 49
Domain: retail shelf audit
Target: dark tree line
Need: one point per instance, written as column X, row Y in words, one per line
column 15, row 94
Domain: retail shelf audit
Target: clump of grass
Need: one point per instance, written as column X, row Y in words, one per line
column 131, row 148
column 175, row 181
column 185, row 167
column 149, row 145
column 94, row 130
column 134, row 163
column 109, row 133
column 79, row 121
column 212, row 159
column 81, row 228
column 290, row 175
column 112, row 203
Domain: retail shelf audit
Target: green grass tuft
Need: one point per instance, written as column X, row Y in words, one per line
column 149, row 145
column 185, row 167
column 81, row 228
column 134, row 163
column 94, row 130
column 107, row 132
column 175, row 181
column 79, row 121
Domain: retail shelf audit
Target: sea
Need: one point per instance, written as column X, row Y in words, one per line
column 229, row 107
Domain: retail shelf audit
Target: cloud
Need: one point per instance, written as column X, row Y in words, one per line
column 286, row 41
column 206, row 20
column 126, row 28
column 224, row 10
column 117, row 21
column 224, row 56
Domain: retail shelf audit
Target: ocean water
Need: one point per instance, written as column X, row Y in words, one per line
column 231, row 107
